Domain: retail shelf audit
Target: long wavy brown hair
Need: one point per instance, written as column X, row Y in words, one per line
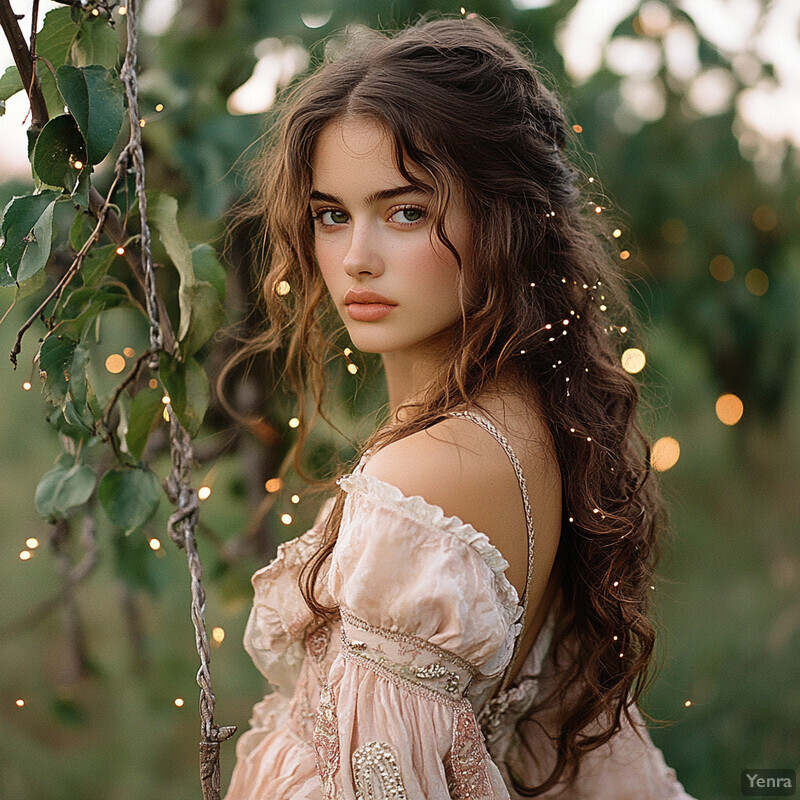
column 465, row 108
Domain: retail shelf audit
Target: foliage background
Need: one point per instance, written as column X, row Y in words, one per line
column 100, row 675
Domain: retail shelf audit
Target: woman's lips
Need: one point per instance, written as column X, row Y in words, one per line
column 366, row 306
column 368, row 312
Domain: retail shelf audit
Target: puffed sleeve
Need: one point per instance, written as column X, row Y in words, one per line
column 426, row 609
column 280, row 617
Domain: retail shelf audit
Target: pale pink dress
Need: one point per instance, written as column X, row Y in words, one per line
column 385, row 703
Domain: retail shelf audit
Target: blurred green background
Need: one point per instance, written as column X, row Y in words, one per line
column 685, row 114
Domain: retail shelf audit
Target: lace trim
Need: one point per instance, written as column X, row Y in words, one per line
column 376, row 773
column 468, row 758
column 403, row 683
column 398, row 636
column 420, row 510
column 326, row 742
column 433, row 675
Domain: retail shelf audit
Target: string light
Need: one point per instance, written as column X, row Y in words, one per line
column 273, row 485
column 616, row 583
column 95, row 12
column 286, row 519
column 77, row 164
column 165, row 414
column 218, row 634
column 294, row 422
column 204, row 492
column 598, row 209
column 152, row 383
column 120, row 251
column 295, row 498
column 688, row 703
column 625, row 255
column 577, row 128
column 25, row 555
column 282, row 288
column 19, row 702
column 26, row 386
column 142, row 123
column 617, row 233
column 352, row 369
column 572, row 519
column 154, row 543
column 32, row 542
column 623, row 329
column 122, row 11
column 165, row 399
column 159, row 106
column 616, row 638
column 178, row 702
column 349, row 352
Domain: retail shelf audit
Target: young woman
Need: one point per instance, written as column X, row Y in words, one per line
column 418, row 644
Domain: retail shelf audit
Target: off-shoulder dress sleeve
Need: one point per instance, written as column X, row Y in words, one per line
column 426, row 610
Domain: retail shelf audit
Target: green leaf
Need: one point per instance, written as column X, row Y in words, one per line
column 94, row 96
column 78, row 385
column 97, row 263
column 162, row 211
column 61, row 489
column 201, row 314
column 85, row 303
column 96, row 43
column 74, row 417
column 129, row 497
column 200, row 300
column 26, row 236
column 53, row 44
column 31, row 286
column 146, row 409
column 137, row 564
column 55, row 366
column 10, row 83
column 58, row 149
column 80, row 230
column 207, row 268
column 187, row 387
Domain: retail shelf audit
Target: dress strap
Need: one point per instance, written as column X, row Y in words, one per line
column 490, row 428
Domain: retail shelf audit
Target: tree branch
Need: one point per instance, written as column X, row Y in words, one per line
column 24, row 61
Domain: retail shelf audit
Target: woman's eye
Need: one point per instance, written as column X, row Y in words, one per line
column 408, row 215
column 330, row 216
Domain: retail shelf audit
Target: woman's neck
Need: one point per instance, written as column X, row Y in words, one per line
column 406, row 379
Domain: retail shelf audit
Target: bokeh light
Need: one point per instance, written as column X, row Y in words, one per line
column 665, row 453
column 633, row 360
column 729, row 409
column 721, row 268
column 757, row 282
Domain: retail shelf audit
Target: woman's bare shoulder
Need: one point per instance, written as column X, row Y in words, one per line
column 460, row 467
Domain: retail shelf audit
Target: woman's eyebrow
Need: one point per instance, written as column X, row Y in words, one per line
column 381, row 194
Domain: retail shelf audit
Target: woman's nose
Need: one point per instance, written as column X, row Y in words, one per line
column 363, row 254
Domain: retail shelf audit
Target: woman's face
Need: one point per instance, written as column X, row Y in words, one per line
column 394, row 284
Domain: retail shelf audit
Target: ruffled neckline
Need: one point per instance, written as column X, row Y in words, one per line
column 420, row 510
